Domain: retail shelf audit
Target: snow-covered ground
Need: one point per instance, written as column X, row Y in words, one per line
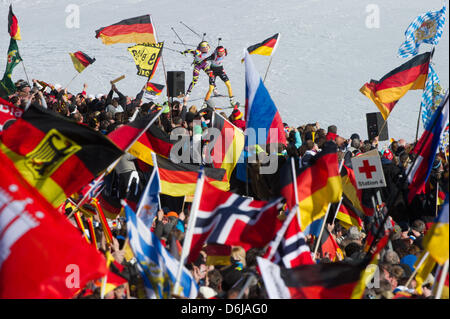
column 325, row 54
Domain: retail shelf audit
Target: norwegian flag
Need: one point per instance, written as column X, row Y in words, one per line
column 92, row 190
column 292, row 250
column 229, row 219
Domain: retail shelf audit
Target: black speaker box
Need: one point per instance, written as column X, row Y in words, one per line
column 375, row 123
column 175, row 83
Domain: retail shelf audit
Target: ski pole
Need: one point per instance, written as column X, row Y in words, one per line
column 172, row 50
column 190, row 45
column 203, row 38
column 190, row 29
column 178, row 37
column 218, row 41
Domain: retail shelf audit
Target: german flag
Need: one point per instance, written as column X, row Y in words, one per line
column 318, row 185
column 56, row 155
column 348, row 217
column 217, row 254
column 13, row 25
column 154, row 139
column 356, row 196
column 154, row 88
column 266, row 47
column 329, row 248
column 228, row 147
column 134, row 30
column 180, row 179
column 125, row 135
column 320, row 281
column 81, row 60
column 386, row 92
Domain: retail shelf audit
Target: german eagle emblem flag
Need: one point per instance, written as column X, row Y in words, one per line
column 55, row 155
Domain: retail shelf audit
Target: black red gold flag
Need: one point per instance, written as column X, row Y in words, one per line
column 134, row 30
column 386, row 92
column 81, row 60
column 13, row 25
column 55, row 155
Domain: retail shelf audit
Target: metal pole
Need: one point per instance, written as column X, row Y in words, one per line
column 178, row 37
column 250, row 278
column 442, row 280
column 190, row 230
column 424, row 257
column 192, row 30
column 267, row 69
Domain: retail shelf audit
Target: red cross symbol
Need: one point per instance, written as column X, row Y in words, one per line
column 367, row 169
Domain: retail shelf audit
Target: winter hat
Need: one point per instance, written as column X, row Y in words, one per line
column 237, row 114
column 409, row 260
column 58, row 86
column 387, row 154
column 172, row 213
column 355, row 136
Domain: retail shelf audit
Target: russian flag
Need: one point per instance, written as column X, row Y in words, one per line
column 426, row 149
column 260, row 110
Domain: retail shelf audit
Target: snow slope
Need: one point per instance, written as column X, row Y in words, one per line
column 325, row 54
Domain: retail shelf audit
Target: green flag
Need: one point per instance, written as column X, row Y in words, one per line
column 7, row 86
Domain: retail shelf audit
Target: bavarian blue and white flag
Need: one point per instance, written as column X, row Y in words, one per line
column 426, row 28
column 431, row 99
column 149, row 202
column 157, row 267
column 432, row 96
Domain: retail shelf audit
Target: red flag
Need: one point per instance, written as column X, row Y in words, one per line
column 42, row 255
column 8, row 113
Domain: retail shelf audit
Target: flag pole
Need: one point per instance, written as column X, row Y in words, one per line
column 164, row 65
column 24, row 70
column 420, row 109
column 337, row 209
column 71, row 81
column 110, row 168
column 442, row 280
column 102, row 292
column 416, row 269
column 249, row 280
column 325, row 219
column 147, row 187
column 190, row 229
column 270, row 62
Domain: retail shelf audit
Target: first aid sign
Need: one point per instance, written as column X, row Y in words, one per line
column 368, row 171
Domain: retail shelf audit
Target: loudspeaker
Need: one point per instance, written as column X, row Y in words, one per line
column 375, row 122
column 175, row 83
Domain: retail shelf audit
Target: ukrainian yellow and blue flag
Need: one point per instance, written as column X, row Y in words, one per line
column 436, row 239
